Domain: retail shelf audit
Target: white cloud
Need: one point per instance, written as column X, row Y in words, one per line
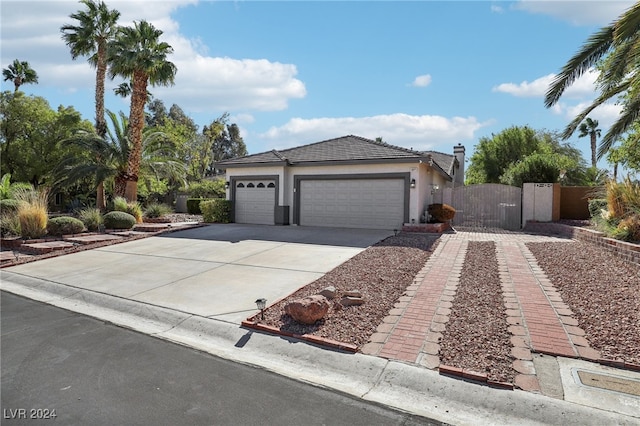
column 420, row 132
column 582, row 87
column 203, row 83
column 422, row 81
column 497, row 9
column 583, row 12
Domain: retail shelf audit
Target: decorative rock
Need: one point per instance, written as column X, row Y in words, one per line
column 329, row 292
column 352, row 293
column 351, row 301
column 309, row 309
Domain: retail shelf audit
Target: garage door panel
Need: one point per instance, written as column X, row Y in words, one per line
column 354, row 203
column 255, row 202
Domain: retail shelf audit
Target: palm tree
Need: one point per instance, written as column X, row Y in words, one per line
column 20, row 73
column 96, row 28
column 590, row 128
column 619, row 43
column 139, row 55
column 108, row 157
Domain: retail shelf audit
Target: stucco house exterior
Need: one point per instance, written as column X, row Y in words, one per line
column 350, row 182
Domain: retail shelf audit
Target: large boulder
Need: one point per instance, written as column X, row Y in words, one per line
column 308, row 310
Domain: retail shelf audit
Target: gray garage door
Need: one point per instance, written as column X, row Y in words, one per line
column 255, row 201
column 352, row 203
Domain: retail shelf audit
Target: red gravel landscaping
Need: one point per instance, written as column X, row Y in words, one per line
column 476, row 336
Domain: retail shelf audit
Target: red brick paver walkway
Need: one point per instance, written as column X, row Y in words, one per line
column 538, row 319
column 421, row 318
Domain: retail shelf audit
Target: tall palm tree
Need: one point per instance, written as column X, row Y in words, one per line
column 619, row 43
column 20, row 73
column 108, row 158
column 590, row 128
column 138, row 54
column 96, row 27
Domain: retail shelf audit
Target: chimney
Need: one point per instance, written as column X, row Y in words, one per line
column 458, row 151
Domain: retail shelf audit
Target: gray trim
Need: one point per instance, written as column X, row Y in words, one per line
column 325, row 163
column 415, row 160
column 298, row 178
column 232, row 195
column 250, row 165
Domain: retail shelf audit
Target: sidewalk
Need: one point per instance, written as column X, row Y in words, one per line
column 403, row 372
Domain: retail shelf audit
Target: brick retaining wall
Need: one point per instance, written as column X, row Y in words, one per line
column 622, row 249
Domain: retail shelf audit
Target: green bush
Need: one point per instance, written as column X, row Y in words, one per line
column 9, row 225
column 193, row 204
column 217, row 210
column 64, row 225
column 9, row 206
column 133, row 208
column 207, row 189
column 118, row 220
column 441, row 212
column 91, row 217
column 154, row 210
column 32, row 212
column 596, row 206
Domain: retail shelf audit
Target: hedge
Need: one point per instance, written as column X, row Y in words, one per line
column 193, row 204
column 217, row 210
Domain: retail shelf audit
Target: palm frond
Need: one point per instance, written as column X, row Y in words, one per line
column 595, row 48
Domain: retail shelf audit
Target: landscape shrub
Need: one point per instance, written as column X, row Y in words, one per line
column 133, row 208
column 118, row 220
column 155, row 210
column 91, row 217
column 9, row 206
column 216, row 211
column 596, row 206
column 207, row 189
column 64, row 225
column 441, row 212
column 32, row 212
column 193, row 204
column 9, row 225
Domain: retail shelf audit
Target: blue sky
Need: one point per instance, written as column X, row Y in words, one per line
column 420, row 74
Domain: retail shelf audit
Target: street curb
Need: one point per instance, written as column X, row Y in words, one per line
column 402, row 386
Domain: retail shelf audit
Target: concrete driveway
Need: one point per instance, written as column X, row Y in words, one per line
column 217, row 271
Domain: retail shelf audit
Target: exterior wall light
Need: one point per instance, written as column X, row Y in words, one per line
column 261, row 303
column 227, row 184
column 413, row 183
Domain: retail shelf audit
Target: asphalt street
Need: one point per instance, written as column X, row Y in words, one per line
column 61, row 367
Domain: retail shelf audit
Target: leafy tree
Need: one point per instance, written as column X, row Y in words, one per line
column 627, row 153
column 619, row 45
column 30, row 132
column 96, row 28
column 138, row 54
column 590, row 128
column 226, row 140
column 521, row 154
column 20, row 73
column 492, row 156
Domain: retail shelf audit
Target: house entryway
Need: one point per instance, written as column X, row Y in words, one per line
column 487, row 205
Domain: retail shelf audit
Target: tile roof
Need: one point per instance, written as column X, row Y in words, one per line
column 345, row 148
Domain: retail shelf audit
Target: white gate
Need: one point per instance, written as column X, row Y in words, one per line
column 487, row 205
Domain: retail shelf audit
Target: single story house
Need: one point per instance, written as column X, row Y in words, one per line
column 350, row 182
